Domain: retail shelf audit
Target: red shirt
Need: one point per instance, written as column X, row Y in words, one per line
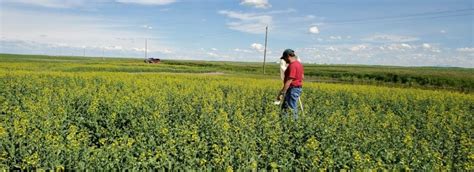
column 294, row 71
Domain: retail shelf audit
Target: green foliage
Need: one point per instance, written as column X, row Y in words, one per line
column 127, row 121
column 458, row 79
column 51, row 118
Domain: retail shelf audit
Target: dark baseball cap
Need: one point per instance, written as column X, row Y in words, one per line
column 288, row 52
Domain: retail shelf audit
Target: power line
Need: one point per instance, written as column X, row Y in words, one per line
column 265, row 51
column 426, row 15
column 400, row 20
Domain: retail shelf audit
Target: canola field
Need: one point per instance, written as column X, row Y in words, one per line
column 64, row 120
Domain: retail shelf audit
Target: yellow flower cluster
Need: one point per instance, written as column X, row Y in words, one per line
column 104, row 121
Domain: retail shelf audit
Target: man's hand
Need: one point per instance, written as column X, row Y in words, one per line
column 280, row 97
column 284, row 89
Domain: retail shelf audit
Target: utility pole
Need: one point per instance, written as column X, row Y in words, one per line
column 265, row 50
column 146, row 48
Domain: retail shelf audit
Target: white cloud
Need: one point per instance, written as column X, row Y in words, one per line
column 289, row 10
column 406, row 46
column 212, row 54
column 402, row 54
column 310, row 17
column 426, row 46
column 147, row 27
column 49, row 3
column 258, row 47
column 70, row 32
column 242, row 50
column 335, row 37
column 359, row 47
column 442, row 31
column 139, row 49
column 397, row 47
column 167, row 51
column 313, row 30
column 147, row 2
column 466, row 49
column 256, row 3
column 390, row 38
column 115, row 47
column 214, row 49
column 429, row 47
column 331, row 48
column 248, row 22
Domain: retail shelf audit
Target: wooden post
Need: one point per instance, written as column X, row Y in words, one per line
column 146, row 48
column 265, row 50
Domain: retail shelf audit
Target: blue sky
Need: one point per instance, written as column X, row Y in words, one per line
column 380, row 32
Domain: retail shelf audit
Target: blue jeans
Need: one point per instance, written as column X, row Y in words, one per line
column 291, row 101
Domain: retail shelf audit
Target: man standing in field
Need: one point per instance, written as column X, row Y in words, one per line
column 292, row 83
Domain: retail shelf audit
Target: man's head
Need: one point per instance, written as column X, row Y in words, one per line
column 288, row 55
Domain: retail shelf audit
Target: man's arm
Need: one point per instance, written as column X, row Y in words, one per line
column 282, row 69
column 285, row 88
